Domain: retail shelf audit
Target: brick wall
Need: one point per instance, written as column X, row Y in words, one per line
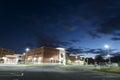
column 50, row 53
column 45, row 53
column 4, row 52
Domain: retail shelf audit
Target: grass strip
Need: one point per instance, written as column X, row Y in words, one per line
column 109, row 70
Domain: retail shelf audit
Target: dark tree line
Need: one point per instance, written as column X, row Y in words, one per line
column 99, row 59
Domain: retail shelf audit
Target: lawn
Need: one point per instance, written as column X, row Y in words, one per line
column 109, row 70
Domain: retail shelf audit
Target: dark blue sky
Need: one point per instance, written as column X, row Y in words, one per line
column 66, row 23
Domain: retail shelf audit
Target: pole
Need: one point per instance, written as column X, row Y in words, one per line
column 109, row 56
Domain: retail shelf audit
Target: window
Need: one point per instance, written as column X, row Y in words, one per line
column 61, row 55
column 19, row 56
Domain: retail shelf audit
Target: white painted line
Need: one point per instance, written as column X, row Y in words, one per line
column 12, row 74
column 15, row 79
column 22, row 74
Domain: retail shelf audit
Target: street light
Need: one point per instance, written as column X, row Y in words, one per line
column 27, row 49
column 106, row 46
column 108, row 55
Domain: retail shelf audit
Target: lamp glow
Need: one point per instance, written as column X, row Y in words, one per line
column 27, row 49
column 106, row 46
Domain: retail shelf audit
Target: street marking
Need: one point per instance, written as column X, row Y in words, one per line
column 15, row 79
column 22, row 74
column 12, row 74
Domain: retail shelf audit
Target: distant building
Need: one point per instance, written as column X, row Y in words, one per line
column 4, row 52
column 13, row 59
column 46, row 55
column 9, row 57
column 40, row 55
column 77, row 59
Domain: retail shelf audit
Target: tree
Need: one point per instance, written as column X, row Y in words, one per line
column 99, row 59
column 115, row 59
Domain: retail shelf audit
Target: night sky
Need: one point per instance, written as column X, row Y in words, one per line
column 73, row 24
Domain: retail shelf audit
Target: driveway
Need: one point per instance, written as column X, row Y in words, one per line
column 53, row 72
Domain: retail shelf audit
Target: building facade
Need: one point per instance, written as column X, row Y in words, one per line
column 77, row 59
column 9, row 57
column 3, row 53
column 13, row 59
column 46, row 55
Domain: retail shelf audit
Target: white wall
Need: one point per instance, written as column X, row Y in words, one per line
column 62, row 59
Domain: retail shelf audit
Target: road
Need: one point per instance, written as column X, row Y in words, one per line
column 53, row 72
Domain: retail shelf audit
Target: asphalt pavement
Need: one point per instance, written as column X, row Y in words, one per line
column 53, row 72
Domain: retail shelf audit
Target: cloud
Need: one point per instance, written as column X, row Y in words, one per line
column 85, row 50
column 94, row 35
column 103, row 15
column 70, row 27
column 116, row 54
column 105, row 19
column 89, row 51
column 109, row 26
column 75, row 41
column 95, row 51
column 116, row 34
column 115, row 38
column 75, row 50
column 46, row 40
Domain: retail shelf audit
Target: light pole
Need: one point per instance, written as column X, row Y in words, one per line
column 76, row 57
column 27, row 49
column 108, row 54
column 93, row 60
